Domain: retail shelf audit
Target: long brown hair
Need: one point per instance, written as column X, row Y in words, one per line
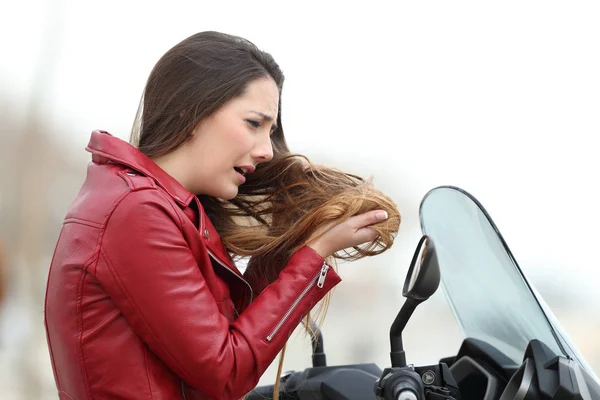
column 287, row 202
column 300, row 200
column 193, row 80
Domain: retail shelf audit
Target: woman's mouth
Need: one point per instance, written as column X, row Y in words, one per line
column 240, row 173
column 244, row 170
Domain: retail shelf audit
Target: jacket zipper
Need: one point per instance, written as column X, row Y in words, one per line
column 319, row 280
column 211, row 254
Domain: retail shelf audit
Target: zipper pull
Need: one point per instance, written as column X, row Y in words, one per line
column 322, row 275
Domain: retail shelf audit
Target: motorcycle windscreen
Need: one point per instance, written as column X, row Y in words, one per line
column 486, row 289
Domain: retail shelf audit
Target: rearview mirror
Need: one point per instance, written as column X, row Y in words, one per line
column 422, row 280
column 423, row 277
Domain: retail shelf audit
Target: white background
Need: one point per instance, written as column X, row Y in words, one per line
column 501, row 99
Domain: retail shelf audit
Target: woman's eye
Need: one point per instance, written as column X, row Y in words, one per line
column 255, row 124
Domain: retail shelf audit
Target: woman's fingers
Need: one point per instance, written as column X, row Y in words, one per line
column 364, row 235
column 352, row 232
column 361, row 226
column 368, row 218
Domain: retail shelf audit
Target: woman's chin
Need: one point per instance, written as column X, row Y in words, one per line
column 229, row 193
column 223, row 192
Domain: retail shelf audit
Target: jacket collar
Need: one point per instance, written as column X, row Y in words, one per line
column 107, row 148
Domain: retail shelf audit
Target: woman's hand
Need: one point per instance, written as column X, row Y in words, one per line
column 352, row 232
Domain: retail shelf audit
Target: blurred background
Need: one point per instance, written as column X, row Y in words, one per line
column 500, row 99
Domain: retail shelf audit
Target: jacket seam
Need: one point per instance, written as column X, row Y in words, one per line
column 86, row 382
column 60, row 391
column 175, row 210
column 148, row 372
column 80, row 221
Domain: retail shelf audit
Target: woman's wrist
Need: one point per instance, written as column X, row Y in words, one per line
column 319, row 250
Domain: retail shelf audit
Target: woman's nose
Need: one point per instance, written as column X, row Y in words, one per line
column 263, row 151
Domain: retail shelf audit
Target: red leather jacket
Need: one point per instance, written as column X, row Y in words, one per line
column 144, row 302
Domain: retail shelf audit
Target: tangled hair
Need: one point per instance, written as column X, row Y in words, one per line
column 289, row 204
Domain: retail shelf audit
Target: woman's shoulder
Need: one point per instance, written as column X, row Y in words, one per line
column 116, row 189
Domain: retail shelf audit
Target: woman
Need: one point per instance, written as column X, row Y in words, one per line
column 143, row 299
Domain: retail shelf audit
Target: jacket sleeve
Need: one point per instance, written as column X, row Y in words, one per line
column 147, row 268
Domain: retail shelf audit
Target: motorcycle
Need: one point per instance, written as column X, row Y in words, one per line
column 506, row 355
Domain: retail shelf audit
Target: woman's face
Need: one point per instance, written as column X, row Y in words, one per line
column 233, row 141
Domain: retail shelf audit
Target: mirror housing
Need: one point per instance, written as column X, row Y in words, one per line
column 423, row 277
